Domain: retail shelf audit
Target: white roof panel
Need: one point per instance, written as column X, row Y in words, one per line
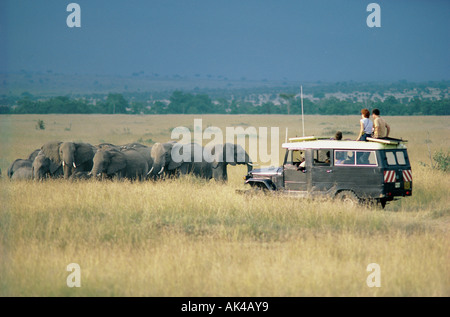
column 335, row 144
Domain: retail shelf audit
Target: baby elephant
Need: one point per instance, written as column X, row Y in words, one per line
column 126, row 163
column 23, row 173
column 80, row 176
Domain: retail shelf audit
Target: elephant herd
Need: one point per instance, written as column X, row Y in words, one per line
column 133, row 161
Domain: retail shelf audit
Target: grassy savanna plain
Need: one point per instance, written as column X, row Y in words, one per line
column 189, row 237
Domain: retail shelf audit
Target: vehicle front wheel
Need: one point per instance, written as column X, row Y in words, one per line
column 349, row 197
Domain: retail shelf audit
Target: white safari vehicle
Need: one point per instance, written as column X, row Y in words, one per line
column 373, row 171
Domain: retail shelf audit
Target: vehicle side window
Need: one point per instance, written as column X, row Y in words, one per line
column 344, row 157
column 322, row 157
column 295, row 157
column 366, row 158
column 400, row 158
column 390, row 158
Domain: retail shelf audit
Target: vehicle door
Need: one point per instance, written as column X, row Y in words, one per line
column 322, row 170
column 295, row 177
column 397, row 174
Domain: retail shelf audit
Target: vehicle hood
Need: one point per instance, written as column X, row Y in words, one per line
column 266, row 171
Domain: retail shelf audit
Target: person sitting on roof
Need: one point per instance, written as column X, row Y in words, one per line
column 380, row 128
column 365, row 124
column 338, row 136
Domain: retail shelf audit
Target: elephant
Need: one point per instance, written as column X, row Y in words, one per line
column 190, row 165
column 221, row 159
column 80, row 175
column 23, row 173
column 143, row 149
column 107, row 146
column 162, row 163
column 127, row 163
column 73, row 156
column 33, row 154
column 171, row 159
column 44, row 167
column 18, row 164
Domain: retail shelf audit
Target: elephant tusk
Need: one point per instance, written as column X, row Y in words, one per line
column 99, row 174
column 74, row 165
column 150, row 171
column 251, row 164
column 63, row 163
column 162, row 169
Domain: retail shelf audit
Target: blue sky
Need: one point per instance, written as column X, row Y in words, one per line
column 256, row 39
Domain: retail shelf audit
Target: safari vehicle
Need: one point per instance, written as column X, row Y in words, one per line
column 376, row 171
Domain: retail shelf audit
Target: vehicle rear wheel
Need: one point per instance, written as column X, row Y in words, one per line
column 383, row 202
column 349, row 197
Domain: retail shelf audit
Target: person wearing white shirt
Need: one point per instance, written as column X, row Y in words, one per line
column 366, row 126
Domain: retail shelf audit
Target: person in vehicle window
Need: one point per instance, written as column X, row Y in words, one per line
column 380, row 128
column 350, row 160
column 301, row 166
column 339, row 158
column 366, row 126
column 301, row 162
column 327, row 160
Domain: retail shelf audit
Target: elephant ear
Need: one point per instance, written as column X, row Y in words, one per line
column 116, row 163
column 156, row 150
column 229, row 151
column 216, row 152
column 241, row 156
column 83, row 152
column 173, row 147
column 51, row 150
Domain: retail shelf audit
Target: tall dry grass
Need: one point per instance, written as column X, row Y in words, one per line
column 188, row 237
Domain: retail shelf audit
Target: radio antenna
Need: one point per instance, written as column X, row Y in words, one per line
column 301, row 100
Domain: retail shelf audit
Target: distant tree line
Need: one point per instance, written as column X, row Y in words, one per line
column 113, row 103
column 190, row 103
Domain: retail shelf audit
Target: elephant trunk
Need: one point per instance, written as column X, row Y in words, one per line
column 157, row 170
column 247, row 161
column 69, row 166
column 95, row 170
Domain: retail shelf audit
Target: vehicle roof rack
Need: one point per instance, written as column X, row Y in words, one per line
column 307, row 138
column 387, row 140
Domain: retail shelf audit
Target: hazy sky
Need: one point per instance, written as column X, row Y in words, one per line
column 256, row 39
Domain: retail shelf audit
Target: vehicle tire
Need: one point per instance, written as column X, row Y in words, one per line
column 259, row 189
column 382, row 203
column 372, row 203
column 349, row 197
